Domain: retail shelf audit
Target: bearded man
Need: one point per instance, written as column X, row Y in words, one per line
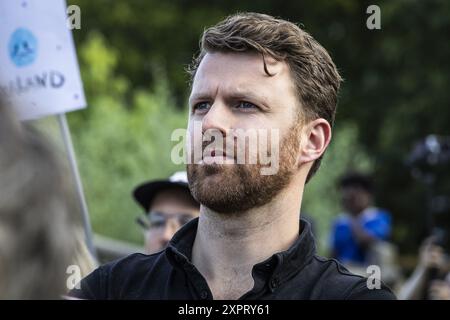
column 254, row 73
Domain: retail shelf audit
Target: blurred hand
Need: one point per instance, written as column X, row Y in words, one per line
column 439, row 290
column 432, row 256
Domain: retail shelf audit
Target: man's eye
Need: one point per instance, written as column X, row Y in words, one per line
column 201, row 106
column 246, row 105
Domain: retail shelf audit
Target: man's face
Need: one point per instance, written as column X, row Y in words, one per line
column 170, row 210
column 355, row 199
column 231, row 91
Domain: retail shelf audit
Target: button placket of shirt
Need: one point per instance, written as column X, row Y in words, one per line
column 204, row 295
column 262, row 273
column 258, row 289
column 197, row 280
column 274, row 282
column 202, row 288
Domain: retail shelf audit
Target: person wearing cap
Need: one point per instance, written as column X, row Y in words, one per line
column 168, row 205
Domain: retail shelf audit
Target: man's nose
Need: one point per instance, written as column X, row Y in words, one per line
column 169, row 230
column 219, row 117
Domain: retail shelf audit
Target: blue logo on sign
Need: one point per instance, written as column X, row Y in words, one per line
column 22, row 47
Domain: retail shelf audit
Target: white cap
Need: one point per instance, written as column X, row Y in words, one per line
column 180, row 176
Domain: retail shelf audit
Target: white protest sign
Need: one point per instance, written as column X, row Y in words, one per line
column 38, row 65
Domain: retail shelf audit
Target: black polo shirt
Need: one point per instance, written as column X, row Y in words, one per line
column 293, row 274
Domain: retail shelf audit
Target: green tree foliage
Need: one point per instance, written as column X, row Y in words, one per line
column 120, row 142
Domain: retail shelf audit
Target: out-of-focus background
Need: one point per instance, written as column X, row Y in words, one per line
column 132, row 56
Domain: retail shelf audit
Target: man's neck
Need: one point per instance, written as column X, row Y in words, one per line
column 227, row 246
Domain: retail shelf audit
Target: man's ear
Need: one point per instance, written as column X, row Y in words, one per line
column 316, row 136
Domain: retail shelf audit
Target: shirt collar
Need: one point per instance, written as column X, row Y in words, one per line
column 278, row 268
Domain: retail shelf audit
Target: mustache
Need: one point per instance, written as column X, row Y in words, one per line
column 219, row 148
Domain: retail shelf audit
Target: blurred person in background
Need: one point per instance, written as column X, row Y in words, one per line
column 359, row 235
column 36, row 223
column 168, row 205
column 431, row 278
column 83, row 258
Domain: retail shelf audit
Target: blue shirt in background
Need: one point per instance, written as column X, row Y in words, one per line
column 375, row 221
